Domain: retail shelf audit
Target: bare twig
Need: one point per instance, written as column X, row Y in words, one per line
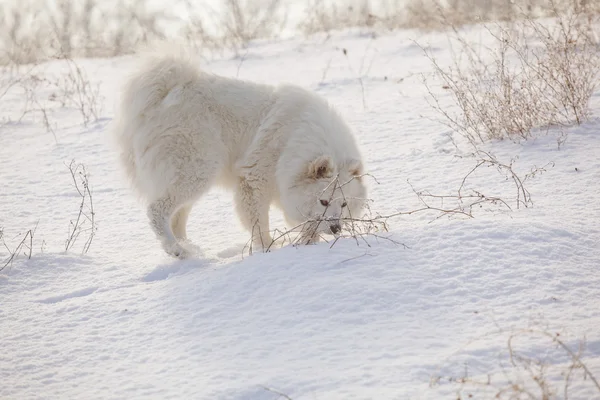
column 538, row 382
column 76, row 90
column 534, row 76
column 85, row 221
column 462, row 203
column 277, row 392
column 26, row 244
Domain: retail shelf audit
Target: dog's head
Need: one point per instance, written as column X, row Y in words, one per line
column 326, row 192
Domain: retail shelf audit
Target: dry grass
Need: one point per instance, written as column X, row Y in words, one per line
column 41, row 93
column 536, row 75
column 23, row 247
column 384, row 15
column 325, row 16
column 443, row 14
column 70, row 28
column 73, row 89
column 82, row 228
column 370, row 225
column 36, row 31
column 246, row 20
column 91, row 28
column 233, row 27
column 360, row 228
column 544, row 374
column 85, row 222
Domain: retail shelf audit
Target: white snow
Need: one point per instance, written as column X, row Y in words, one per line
column 125, row 321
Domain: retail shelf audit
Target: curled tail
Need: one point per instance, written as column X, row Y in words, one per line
column 142, row 95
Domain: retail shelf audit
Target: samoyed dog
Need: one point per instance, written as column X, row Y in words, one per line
column 180, row 130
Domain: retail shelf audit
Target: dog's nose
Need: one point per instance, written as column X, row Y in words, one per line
column 335, row 228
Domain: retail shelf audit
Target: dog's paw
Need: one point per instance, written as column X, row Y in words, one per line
column 179, row 250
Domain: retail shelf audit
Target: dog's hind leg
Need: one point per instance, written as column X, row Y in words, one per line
column 168, row 214
column 160, row 213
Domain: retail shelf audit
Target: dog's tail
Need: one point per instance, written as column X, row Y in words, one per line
column 162, row 70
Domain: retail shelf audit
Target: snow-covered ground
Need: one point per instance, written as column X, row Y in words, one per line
column 428, row 320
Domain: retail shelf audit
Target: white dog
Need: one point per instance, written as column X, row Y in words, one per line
column 180, row 130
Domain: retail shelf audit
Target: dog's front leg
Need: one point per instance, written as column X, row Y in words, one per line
column 252, row 201
column 256, row 185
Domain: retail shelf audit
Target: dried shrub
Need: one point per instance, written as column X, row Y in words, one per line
column 537, row 75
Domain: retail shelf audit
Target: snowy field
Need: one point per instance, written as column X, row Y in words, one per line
column 428, row 317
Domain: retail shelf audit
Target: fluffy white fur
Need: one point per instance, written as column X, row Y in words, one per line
column 180, row 130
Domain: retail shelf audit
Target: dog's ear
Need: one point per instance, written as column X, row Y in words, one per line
column 320, row 167
column 355, row 167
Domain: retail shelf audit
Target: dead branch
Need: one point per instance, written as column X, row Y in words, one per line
column 26, row 244
column 529, row 376
column 277, row 392
column 85, row 220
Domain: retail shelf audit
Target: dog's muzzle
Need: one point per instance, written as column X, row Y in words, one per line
column 335, row 228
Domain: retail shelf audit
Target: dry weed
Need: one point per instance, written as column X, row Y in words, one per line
column 25, row 246
column 246, row 20
column 233, row 27
column 537, row 75
column 326, row 16
column 44, row 92
column 37, row 31
column 464, row 202
column 74, row 89
column 527, row 374
column 85, row 221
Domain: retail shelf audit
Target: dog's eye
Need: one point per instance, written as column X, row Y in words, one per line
column 344, row 204
column 324, row 203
